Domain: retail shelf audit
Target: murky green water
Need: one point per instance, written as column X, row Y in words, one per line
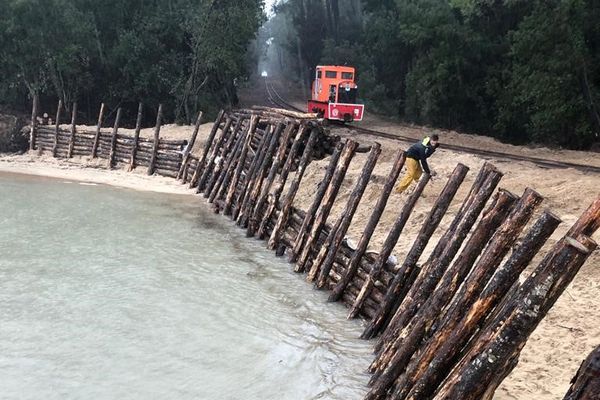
column 107, row 293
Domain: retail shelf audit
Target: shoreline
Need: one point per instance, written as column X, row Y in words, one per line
column 82, row 170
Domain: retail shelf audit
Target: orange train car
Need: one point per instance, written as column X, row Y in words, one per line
column 333, row 94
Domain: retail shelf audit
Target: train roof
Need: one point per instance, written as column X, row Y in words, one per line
column 337, row 67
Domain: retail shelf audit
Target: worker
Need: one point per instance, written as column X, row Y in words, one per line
column 416, row 161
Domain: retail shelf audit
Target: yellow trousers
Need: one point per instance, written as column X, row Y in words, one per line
column 413, row 173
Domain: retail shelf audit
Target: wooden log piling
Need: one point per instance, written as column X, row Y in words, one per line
column 257, row 183
column 217, row 172
column 136, row 137
column 56, row 127
column 252, row 175
column 393, row 359
column 113, row 141
column 324, row 262
column 219, row 188
column 585, row 385
column 431, row 272
column 363, row 243
column 273, row 199
column 152, row 165
column 188, row 148
column 240, row 166
column 389, row 244
column 34, row 113
column 284, row 213
column 200, row 166
column 310, row 215
column 427, row 371
column 256, row 213
column 325, row 208
column 97, row 135
column 495, row 353
column 73, row 130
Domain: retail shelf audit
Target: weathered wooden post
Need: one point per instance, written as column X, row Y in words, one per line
column 325, row 208
column 393, row 360
column 188, row 149
column 207, row 148
column 250, row 176
column 389, row 244
column 400, row 284
column 240, row 166
column 97, row 135
column 284, row 214
column 585, row 385
column 136, row 137
column 113, row 140
column 254, row 186
column 156, row 140
column 274, row 199
column 256, row 213
column 589, row 222
column 498, row 246
column 326, row 256
column 212, row 158
column 426, row 371
column 354, row 263
column 73, row 130
column 463, row 221
column 34, row 113
column 432, row 272
column 309, row 217
column 58, row 112
column 221, row 186
column 496, row 351
column 221, row 161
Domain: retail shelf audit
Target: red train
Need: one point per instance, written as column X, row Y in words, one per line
column 333, row 94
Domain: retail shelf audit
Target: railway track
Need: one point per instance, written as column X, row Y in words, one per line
column 276, row 99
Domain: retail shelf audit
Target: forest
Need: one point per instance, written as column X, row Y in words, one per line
column 182, row 53
column 523, row 71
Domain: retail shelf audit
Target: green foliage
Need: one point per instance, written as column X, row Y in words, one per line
column 184, row 53
column 522, row 71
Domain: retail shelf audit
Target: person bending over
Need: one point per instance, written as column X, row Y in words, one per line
column 416, row 161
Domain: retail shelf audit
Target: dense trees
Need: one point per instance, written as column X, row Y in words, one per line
column 185, row 53
column 520, row 70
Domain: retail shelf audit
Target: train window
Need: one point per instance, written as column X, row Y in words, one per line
column 330, row 74
column 319, row 74
column 346, row 75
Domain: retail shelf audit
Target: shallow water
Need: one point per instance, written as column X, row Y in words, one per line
column 108, row 293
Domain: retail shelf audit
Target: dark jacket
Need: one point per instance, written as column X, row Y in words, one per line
column 420, row 152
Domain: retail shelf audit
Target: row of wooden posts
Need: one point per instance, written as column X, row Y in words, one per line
column 158, row 155
column 450, row 326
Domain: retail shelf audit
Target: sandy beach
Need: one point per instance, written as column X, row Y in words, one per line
column 559, row 344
